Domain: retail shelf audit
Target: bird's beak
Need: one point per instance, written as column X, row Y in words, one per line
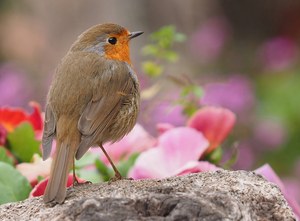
column 135, row 34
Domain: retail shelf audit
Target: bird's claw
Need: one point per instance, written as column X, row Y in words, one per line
column 118, row 177
column 77, row 183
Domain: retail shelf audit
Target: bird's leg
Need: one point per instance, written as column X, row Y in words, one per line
column 75, row 180
column 117, row 176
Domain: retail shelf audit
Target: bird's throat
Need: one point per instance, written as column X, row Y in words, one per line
column 120, row 53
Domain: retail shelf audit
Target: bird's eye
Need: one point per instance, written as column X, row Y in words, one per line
column 112, row 40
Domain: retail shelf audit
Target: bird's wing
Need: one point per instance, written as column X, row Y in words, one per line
column 112, row 85
column 49, row 131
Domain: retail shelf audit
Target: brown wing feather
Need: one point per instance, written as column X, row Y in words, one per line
column 49, row 132
column 104, row 106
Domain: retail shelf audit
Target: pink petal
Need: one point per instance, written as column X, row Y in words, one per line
column 150, row 164
column 268, row 173
column 175, row 148
column 137, row 140
column 292, row 187
column 278, row 53
column 214, row 122
column 181, row 145
column 196, row 167
column 39, row 189
column 163, row 127
column 235, row 93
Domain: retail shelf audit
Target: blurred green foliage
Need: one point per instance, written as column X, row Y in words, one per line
column 22, row 142
column 161, row 50
column 189, row 99
column 4, row 157
column 278, row 97
column 84, row 170
column 152, row 69
column 14, row 187
column 123, row 166
column 126, row 164
column 103, row 170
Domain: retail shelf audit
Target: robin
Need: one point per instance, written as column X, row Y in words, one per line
column 93, row 99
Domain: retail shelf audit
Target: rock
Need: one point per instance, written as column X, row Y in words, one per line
column 220, row 195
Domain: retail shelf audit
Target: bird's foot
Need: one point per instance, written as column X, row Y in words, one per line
column 117, row 177
column 77, row 183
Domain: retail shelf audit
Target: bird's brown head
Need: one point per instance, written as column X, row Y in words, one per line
column 108, row 40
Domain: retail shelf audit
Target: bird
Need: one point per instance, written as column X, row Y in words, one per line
column 94, row 98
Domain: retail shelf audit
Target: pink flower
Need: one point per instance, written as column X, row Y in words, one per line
column 271, row 133
column 166, row 112
column 38, row 168
column 214, row 123
column 278, row 53
column 292, row 186
column 163, row 110
column 39, row 189
column 176, row 153
column 163, row 127
column 235, row 94
column 198, row 166
column 15, row 87
column 136, row 141
column 268, row 173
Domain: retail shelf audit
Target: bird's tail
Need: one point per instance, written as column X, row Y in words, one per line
column 62, row 162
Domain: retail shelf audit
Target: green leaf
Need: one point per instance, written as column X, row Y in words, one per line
column 150, row 49
column 185, row 91
column 215, row 156
column 189, row 99
column 22, row 142
column 89, row 175
column 233, row 158
column 4, row 157
column 192, row 89
column 104, row 171
column 125, row 165
column 160, row 49
column 189, row 109
column 14, row 187
column 152, row 69
column 40, row 178
column 165, row 31
column 87, row 159
column 179, row 37
column 170, row 56
column 198, row 92
column 166, row 36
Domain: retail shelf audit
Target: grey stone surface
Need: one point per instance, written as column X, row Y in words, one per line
column 221, row 195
